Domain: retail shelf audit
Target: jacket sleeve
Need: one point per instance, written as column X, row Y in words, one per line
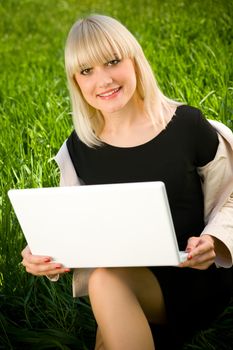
column 217, row 185
column 68, row 176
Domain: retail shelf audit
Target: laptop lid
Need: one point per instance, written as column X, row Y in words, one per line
column 99, row 225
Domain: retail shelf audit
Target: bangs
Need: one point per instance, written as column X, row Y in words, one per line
column 94, row 45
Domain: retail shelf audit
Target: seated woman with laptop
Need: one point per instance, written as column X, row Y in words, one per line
column 126, row 130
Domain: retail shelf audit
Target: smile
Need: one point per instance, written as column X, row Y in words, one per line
column 109, row 93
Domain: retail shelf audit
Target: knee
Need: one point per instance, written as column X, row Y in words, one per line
column 98, row 279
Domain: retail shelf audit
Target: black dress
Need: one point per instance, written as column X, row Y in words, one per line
column 193, row 298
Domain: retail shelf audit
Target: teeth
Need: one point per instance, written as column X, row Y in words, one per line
column 109, row 93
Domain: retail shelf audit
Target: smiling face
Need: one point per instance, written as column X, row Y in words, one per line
column 108, row 87
column 103, row 62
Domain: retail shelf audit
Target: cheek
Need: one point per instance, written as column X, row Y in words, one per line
column 86, row 89
column 84, row 83
column 132, row 80
column 131, row 76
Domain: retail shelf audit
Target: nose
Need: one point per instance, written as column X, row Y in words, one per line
column 104, row 78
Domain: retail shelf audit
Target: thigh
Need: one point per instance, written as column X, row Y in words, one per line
column 147, row 290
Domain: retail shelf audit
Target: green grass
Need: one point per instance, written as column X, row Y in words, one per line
column 190, row 47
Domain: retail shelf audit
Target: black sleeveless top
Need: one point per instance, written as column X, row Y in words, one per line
column 189, row 141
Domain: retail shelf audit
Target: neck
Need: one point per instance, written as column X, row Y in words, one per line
column 125, row 118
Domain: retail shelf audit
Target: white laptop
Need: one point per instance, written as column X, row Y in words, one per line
column 99, row 225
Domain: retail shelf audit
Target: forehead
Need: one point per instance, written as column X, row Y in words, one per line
column 94, row 46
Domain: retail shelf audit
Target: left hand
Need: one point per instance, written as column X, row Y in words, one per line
column 201, row 253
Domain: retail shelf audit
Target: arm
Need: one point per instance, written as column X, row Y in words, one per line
column 218, row 193
column 216, row 241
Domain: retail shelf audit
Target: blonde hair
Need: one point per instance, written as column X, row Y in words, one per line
column 98, row 39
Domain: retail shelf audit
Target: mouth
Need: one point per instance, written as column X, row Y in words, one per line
column 109, row 93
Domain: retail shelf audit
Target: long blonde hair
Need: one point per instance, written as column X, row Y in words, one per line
column 98, row 39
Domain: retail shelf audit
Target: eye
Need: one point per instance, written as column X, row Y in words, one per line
column 86, row 71
column 113, row 62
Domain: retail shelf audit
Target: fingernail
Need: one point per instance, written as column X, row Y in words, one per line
column 46, row 259
column 67, row 270
column 190, row 257
column 58, row 267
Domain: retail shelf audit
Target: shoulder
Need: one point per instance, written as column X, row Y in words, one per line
column 224, row 131
column 187, row 110
column 192, row 118
column 189, row 113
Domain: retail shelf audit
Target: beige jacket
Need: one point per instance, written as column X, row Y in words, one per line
column 217, row 184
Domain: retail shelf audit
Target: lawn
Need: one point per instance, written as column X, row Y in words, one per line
column 190, row 47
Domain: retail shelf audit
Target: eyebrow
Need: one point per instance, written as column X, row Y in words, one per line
column 108, row 59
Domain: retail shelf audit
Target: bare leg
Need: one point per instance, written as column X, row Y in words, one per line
column 99, row 345
column 123, row 300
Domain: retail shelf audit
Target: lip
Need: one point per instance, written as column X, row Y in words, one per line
column 109, row 93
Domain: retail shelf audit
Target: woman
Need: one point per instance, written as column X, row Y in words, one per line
column 126, row 130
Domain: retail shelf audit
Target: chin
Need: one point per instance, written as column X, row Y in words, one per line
column 113, row 109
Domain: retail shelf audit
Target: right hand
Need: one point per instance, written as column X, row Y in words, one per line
column 39, row 265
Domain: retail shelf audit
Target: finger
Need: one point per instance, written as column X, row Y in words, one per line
column 46, row 269
column 198, row 266
column 203, row 266
column 28, row 258
column 50, row 273
column 200, row 261
column 192, row 243
column 202, row 258
column 25, row 251
column 204, row 246
column 36, row 260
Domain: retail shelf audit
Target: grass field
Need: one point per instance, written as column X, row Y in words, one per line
column 190, row 47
